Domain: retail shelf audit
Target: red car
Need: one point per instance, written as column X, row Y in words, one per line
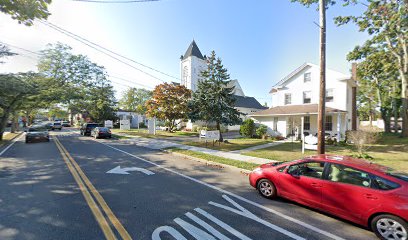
column 368, row 194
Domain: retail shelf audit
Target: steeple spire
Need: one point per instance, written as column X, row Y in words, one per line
column 193, row 50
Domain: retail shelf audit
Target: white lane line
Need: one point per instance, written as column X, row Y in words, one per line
column 11, row 144
column 306, row 225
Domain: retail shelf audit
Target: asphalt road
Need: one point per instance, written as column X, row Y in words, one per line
column 61, row 190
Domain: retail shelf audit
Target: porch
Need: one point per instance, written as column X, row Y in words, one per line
column 291, row 121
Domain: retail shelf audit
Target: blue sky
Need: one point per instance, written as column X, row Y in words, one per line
column 259, row 41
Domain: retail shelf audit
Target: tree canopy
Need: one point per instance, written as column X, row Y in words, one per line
column 169, row 103
column 134, row 99
column 25, row 12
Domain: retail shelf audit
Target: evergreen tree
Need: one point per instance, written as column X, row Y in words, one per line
column 214, row 100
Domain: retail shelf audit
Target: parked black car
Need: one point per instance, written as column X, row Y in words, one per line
column 101, row 132
column 37, row 132
column 87, row 128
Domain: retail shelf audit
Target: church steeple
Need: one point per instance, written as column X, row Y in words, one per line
column 193, row 50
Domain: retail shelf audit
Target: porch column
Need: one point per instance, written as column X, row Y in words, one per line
column 303, row 134
column 338, row 126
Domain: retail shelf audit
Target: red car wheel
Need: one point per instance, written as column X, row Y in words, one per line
column 266, row 188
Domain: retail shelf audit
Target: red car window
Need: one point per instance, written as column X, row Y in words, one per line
column 344, row 174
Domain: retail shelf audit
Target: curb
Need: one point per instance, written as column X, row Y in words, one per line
column 243, row 171
column 10, row 140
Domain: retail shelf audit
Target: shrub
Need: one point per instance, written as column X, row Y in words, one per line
column 247, row 128
column 195, row 128
column 362, row 138
column 261, row 131
column 142, row 125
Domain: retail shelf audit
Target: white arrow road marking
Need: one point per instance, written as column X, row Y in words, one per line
column 119, row 170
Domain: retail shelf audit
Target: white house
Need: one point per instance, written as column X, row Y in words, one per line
column 295, row 99
column 192, row 64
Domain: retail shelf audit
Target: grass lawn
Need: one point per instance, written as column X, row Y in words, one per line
column 390, row 150
column 234, row 144
column 7, row 138
column 208, row 157
column 159, row 133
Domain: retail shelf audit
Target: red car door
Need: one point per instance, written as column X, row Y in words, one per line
column 302, row 183
column 348, row 194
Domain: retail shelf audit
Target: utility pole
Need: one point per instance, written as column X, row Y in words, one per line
column 322, row 99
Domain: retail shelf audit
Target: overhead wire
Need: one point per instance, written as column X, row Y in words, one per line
column 119, row 1
column 108, row 75
column 108, row 52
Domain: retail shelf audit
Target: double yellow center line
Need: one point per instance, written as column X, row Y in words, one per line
column 91, row 194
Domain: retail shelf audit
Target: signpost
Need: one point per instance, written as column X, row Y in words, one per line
column 210, row 135
column 109, row 124
column 124, row 125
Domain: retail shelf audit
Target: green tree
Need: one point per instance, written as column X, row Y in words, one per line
column 213, row 100
column 5, row 52
column 386, row 22
column 134, row 99
column 169, row 103
column 247, row 128
column 26, row 11
column 15, row 89
column 376, row 75
column 57, row 113
column 77, row 82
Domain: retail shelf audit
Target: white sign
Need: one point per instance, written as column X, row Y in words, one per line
column 109, row 123
column 211, row 135
column 124, row 125
column 310, row 143
column 118, row 170
column 311, row 140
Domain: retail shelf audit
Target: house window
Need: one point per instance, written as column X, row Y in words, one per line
column 306, row 123
column 329, row 95
column 329, row 123
column 275, row 124
column 307, row 97
column 288, row 98
column 307, row 77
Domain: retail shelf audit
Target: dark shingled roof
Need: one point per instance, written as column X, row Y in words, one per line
column 193, row 50
column 247, row 102
column 295, row 109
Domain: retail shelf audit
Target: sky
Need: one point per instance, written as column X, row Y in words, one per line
column 259, row 42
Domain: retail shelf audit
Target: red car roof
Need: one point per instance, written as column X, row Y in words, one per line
column 351, row 162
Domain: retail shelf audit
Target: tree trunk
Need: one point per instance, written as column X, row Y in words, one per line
column 322, row 99
column 404, row 109
column 14, row 123
column 370, row 113
column 395, row 113
column 387, row 120
column 219, row 129
column 3, row 122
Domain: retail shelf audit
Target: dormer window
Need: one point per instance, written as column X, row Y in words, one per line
column 307, row 77
column 288, row 98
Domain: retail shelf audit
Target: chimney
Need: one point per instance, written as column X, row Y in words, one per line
column 354, row 97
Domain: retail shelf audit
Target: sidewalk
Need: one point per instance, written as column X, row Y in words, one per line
column 258, row 147
column 160, row 144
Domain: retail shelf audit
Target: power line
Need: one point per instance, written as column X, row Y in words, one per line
column 115, row 53
column 20, row 48
column 89, row 43
column 129, row 81
column 120, row 1
column 40, row 54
